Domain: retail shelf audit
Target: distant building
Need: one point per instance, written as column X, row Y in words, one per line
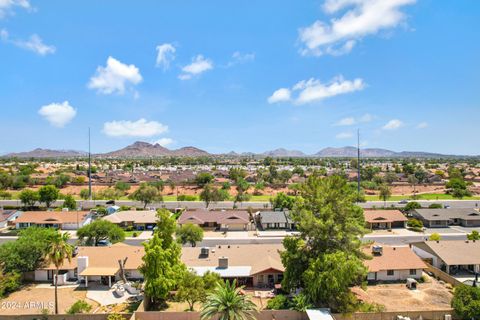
column 137, row 219
column 112, row 209
column 275, row 220
column 8, row 217
column 435, row 218
column 64, row 220
column 384, row 219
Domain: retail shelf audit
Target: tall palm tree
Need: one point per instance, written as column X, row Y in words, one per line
column 228, row 303
column 58, row 250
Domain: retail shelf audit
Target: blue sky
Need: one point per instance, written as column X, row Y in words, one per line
column 243, row 76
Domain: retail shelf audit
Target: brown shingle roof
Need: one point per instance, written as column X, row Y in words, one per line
column 220, row 217
column 453, row 252
column 393, row 258
column 373, row 216
column 143, row 216
column 42, row 217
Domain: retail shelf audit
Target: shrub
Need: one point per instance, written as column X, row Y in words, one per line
column 415, row 224
column 134, row 235
column 435, row 206
column 412, row 206
column 186, row 197
column 129, row 228
column 370, row 307
column 81, row 306
column 279, row 302
column 9, row 282
column 115, row 316
column 466, row 302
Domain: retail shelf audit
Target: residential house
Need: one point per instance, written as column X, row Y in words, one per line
column 253, row 265
column 138, row 220
column 8, row 217
column 97, row 264
column 64, row 220
column 384, row 219
column 112, row 209
column 392, row 263
column 451, row 256
column 231, row 220
column 275, row 220
column 435, row 218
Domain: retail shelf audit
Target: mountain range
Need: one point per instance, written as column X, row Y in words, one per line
column 141, row 149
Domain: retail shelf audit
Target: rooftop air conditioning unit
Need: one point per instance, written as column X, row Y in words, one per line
column 204, row 251
column 376, row 249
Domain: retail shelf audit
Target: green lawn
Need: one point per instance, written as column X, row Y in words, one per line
column 426, row 196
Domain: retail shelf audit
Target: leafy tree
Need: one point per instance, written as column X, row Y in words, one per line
column 27, row 252
column 228, row 303
column 235, row 174
column 466, row 302
column 122, row 186
column 110, row 193
column 69, row 202
column 61, row 180
column 413, row 180
column 189, row 233
column 191, row 289
column 242, row 187
column 9, row 282
column 282, row 201
column 162, row 268
column 390, row 177
column 457, row 187
column 146, row 194
column 4, row 195
column 475, row 235
column 48, row 194
column 203, row 178
column 210, row 280
column 58, row 250
column 435, row 206
column 81, row 306
column 325, row 258
column 28, row 197
column 279, row 302
column 385, row 192
column 84, row 194
column 100, row 230
column 415, row 224
column 211, row 194
column 412, row 205
column 435, row 237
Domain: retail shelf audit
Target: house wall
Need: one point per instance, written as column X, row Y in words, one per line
column 397, row 275
column 470, row 223
column 235, row 226
column 436, row 262
column 261, row 279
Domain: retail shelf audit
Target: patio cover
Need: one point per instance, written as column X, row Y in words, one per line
column 319, row 314
column 92, row 271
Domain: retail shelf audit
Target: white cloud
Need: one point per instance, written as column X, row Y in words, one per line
column 344, row 135
column 34, row 43
column 393, row 125
column 313, row 90
column 114, row 77
column 362, row 18
column 280, row 95
column 199, row 65
column 238, row 57
column 7, row 6
column 58, row 114
column 139, row 128
column 422, row 125
column 164, row 142
column 350, row 121
column 165, row 55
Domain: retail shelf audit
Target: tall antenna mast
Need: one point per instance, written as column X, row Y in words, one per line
column 89, row 168
column 358, row 162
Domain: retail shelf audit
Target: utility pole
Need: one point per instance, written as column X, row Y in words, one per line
column 89, row 168
column 358, row 163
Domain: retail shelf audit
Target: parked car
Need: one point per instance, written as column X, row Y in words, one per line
column 403, row 201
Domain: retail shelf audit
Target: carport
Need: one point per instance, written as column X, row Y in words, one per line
column 99, row 272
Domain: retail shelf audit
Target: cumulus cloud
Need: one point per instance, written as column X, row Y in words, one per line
column 280, row 95
column 312, row 90
column 350, row 121
column 393, row 125
column 344, row 135
column 422, row 125
column 238, row 58
column 360, row 18
column 7, row 6
column 34, row 43
column 198, row 66
column 165, row 55
column 139, row 128
column 58, row 114
column 164, row 142
column 115, row 77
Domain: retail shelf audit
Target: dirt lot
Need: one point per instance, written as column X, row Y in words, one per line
column 31, row 300
column 431, row 295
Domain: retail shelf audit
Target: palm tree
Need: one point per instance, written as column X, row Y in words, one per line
column 228, row 303
column 384, row 193
column 58, row 250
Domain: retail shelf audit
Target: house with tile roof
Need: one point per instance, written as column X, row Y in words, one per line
column 231, row 220
column 63, row 220
column 438, row 218
column 137, row 219
column 384, row 219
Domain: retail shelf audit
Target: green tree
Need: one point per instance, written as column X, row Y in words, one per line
column 412, row 179
column 146, row 194
column 122, row 186
column 5, row 195
column 282, row 201
column 69, row 202
column 61, row 180
column 191, row 289
column 203, row 178
column 211, row 194
column 458, row 188
column 29, row 198
column 385, row 192
column 237, row 173
column 475, row 235
column 412, row 205
column 242, row 187
column 58, row 251
column 228, row 303
column 48, row 194
column 435, row 237
column 100, row 230
column 325, row 258
column 84, row 194
column 466, row 302
column 162, row 268
column 9, row 282
column 189, row 233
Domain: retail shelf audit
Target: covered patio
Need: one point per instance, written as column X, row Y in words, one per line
column 99, row 274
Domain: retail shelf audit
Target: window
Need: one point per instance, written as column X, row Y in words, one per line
column 390, row 272
column 413, row 272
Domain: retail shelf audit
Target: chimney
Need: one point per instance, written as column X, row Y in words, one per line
column 223, row 262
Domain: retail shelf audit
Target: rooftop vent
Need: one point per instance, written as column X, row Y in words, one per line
column 377, row 250
column 204, row 251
